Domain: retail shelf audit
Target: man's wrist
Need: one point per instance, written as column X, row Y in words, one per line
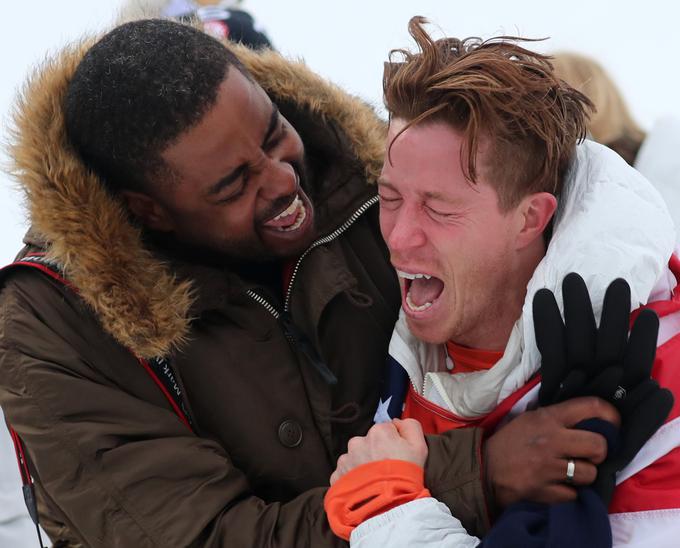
column 488, row 485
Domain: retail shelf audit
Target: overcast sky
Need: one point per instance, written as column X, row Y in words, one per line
column 348, row 42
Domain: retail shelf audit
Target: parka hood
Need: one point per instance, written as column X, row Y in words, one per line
column 135, row 295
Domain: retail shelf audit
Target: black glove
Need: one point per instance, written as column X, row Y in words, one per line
column 580, row 359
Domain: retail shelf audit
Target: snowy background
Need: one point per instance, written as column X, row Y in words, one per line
column 348, row 42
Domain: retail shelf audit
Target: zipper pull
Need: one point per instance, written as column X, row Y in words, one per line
column 298, row 338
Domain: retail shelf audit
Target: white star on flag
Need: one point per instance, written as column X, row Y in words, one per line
column 381, row 415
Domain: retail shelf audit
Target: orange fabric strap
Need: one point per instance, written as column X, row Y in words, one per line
column 372, row 489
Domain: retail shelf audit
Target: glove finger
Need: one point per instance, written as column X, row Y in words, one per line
column 571, row 386
column 549, row 331
column 604, row 385
column 647, row 418
column 612, row 334
column 627, row 401
column 579, row 321
column 641, row 349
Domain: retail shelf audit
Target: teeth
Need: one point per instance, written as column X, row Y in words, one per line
column 300, row 219
column 290, row 210
column 415, row 308
column 410, row 276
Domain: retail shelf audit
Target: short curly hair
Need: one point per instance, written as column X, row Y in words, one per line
column 495, row 90
column 135, row 91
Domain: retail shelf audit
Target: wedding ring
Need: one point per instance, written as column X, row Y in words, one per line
column 571, row 470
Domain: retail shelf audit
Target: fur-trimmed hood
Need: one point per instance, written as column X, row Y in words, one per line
column 137, row 298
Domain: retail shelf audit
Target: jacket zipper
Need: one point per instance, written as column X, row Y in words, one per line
column 415, row 388
column 290, row 331
column 326, row 239
column 259, row 299
column 422, row 392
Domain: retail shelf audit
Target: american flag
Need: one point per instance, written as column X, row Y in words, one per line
column 393, row 392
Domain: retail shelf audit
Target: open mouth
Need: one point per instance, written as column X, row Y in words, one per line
column 421, row 290
column 289, row 219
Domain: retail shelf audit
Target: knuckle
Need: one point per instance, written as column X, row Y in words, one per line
column 601, row 408
column 544, row 414
column 380, row 429
column 596, row 406
column 597, row 446
column 600, row 449
column 412, row 423
column 354, row 443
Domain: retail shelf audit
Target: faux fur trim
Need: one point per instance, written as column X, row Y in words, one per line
column 136, row 297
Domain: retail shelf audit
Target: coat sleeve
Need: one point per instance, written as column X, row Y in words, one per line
column 118, row 470
column 454, row 476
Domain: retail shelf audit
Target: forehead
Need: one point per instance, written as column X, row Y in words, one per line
column 432, row 141
column 421, row 154
column 230, row 128
column 426, row 159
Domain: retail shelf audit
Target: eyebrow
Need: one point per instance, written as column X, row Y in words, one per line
column 220, row 185
column 438, row 196
column 273, row 119
column 428, row 195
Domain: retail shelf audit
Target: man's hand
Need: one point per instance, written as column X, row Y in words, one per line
column 397, row 440
column 527, row 458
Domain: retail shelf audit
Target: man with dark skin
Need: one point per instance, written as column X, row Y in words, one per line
column 210, row 257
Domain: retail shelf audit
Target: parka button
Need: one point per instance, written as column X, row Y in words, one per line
column 290, row 433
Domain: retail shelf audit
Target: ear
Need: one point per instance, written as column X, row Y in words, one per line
column 534, row 214
column 150, row 212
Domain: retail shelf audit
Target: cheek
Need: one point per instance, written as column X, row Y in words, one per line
column 386, row 222
column 237, row 220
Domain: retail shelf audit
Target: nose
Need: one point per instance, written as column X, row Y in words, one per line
column 402, row 229
column 278, row 180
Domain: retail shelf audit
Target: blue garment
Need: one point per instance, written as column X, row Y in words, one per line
column 583, row 522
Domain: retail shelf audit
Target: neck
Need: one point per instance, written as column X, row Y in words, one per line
column 493, row 332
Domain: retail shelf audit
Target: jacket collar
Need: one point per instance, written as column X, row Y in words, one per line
column 140, row 299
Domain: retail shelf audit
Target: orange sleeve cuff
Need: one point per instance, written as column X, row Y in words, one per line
column 372, row 489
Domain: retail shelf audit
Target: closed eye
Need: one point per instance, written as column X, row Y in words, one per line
column 441, row 214
column 389, row 202
column 238, row 187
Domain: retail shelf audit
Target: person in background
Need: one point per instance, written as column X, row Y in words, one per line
column 225, row 19
column 653, row 153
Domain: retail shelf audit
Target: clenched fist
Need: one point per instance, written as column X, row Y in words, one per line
column 396, row 440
